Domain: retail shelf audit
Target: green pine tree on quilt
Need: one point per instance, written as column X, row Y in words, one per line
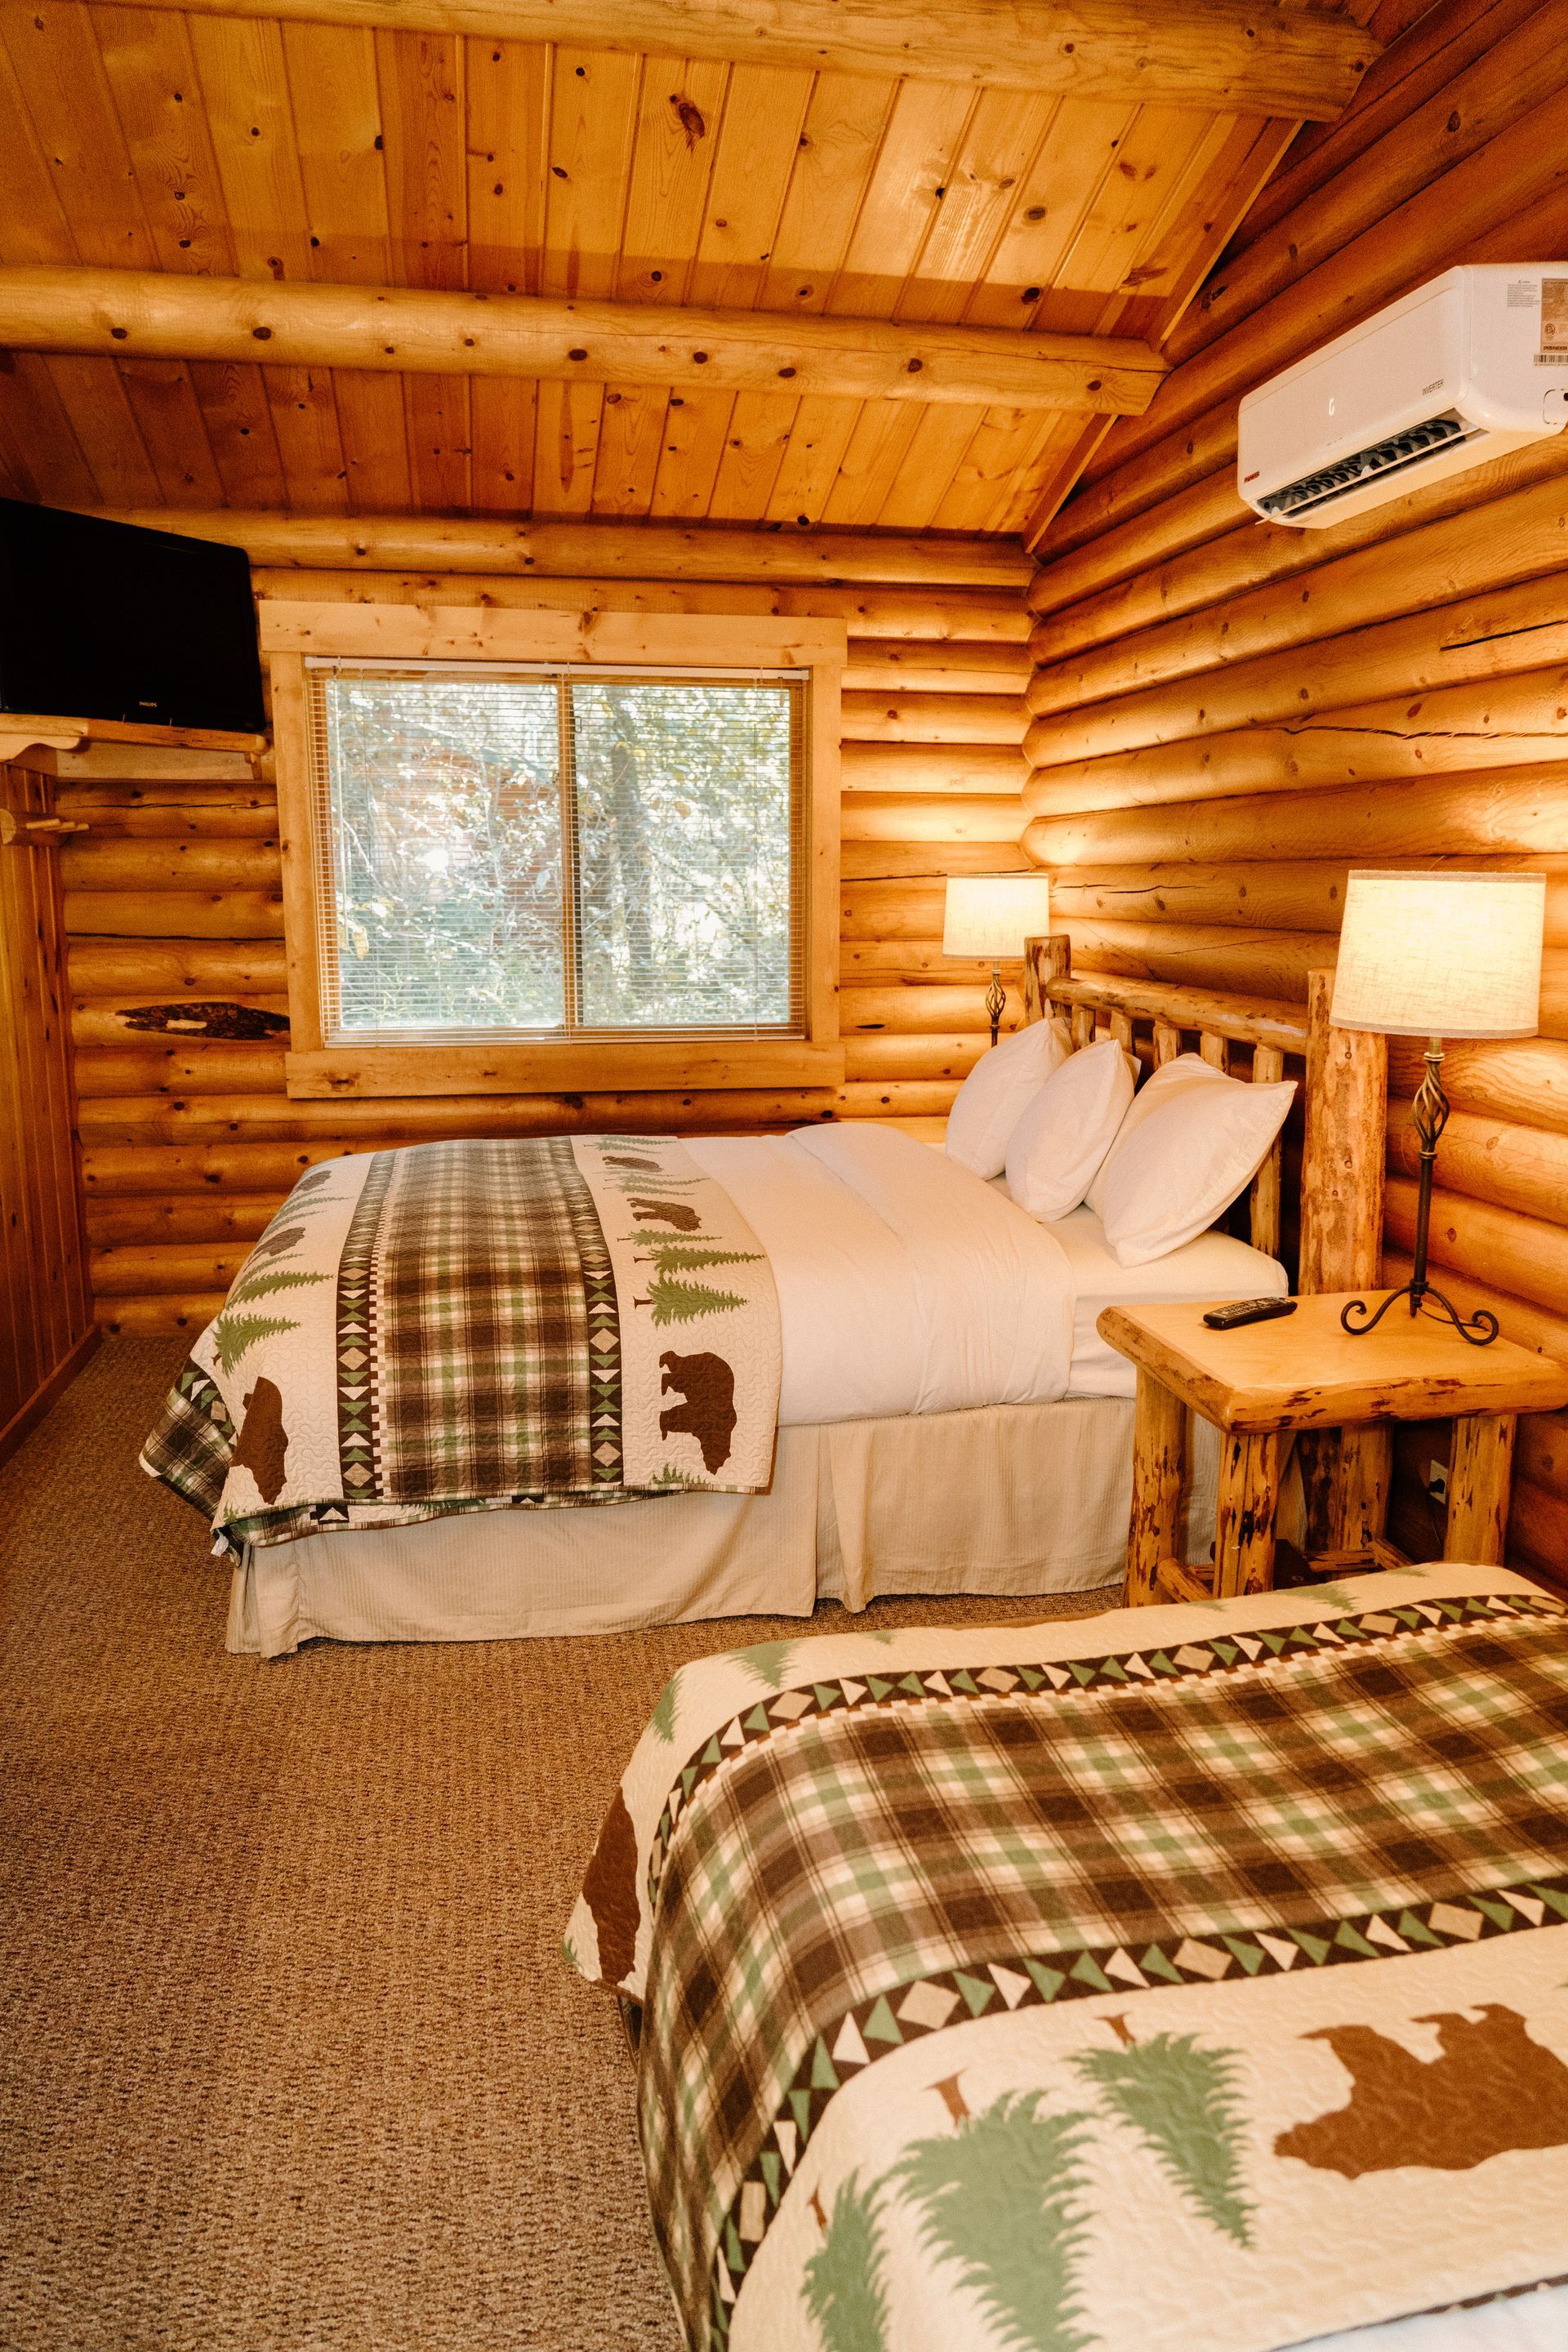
column 844, row 2293
column 674, row 1301
column 1000, row 2200
column 1181, row 2101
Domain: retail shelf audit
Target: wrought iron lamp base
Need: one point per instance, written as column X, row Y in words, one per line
column 1478, row 1329
column 996, row 1001
column 1430, row 1116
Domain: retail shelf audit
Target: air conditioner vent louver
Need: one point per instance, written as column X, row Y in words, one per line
column 1382, row 458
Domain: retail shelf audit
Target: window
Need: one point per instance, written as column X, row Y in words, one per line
column 506, row 870
column 575, row 855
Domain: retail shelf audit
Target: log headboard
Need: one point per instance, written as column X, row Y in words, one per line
column 1345, row 1093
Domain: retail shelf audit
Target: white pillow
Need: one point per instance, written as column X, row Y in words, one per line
column 997, row 1091
column 1192, row 1140
column 1054, row 1151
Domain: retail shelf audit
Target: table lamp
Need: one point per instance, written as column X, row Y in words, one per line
column 992, row 915
column 1437, row 956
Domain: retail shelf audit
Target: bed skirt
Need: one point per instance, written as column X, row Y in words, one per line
column 1008, row 1499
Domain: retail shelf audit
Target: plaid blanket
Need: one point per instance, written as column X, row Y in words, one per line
column 473, row 1326
column 1192, row 1979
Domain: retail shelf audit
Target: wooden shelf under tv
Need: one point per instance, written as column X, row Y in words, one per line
column 21, row 731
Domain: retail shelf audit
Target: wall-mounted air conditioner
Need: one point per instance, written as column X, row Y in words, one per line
column 1463, row 370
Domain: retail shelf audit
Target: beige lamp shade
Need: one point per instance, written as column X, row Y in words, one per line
column 992, row 915
column 1441, row 955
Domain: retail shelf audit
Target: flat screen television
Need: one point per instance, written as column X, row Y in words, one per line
column 104, row 620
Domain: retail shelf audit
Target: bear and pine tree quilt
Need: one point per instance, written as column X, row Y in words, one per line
column 1188, row 1978
column 470, row 1326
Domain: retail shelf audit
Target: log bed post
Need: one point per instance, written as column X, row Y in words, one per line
column 1046, row 962
column 1345, row 1475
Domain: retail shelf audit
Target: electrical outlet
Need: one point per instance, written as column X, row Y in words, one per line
column 1437, row 1481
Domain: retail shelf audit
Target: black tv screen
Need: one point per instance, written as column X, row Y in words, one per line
column 104, row 620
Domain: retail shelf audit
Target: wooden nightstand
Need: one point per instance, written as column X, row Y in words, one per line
column 1302, row 1371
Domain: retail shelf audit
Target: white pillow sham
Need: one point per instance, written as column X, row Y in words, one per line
column 1191, row 1141
column 1056, row 1149
column 999, row 1089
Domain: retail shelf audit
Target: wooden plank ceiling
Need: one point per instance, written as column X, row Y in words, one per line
column 294, row 150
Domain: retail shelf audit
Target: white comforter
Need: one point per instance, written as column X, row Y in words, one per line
column 905, row 1285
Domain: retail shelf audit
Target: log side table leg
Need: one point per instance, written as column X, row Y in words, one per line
column 1244, row 1522
column 1478, row 1488
column 1366, row 1468
column 1159, row 1450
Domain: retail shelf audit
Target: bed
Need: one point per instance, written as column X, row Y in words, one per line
column 944, row 1416
column 1190, row 1978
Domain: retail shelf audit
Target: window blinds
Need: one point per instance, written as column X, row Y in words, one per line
column 557, row 853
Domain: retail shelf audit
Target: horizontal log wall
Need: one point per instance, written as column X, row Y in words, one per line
column 1225, row 716
column 175, row 916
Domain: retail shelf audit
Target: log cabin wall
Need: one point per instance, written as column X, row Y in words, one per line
column 175, row 916
column 1225, row 716
column 46, row 1306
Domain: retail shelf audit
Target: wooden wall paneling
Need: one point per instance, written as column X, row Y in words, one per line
column 493, row 161
column 893, row 616
column 1491, row 635
column 1523, row 1081
column 175, row 906
column 915, row 159
column 33, row 224
column 1437, row 48
column 509, row 87
column 681, row 106
column 1517, row 71
column 1188, row 454
column 1511, row 539
column 43, row 456
column 988, row 481
column 758, row 141
column 1524, row 163
column 666, row 556
column 45, row 1311
column 941, row 451
column 847, row 121
column 1227, row 718
column 1518, row 811
column 1171, row 576
column 961, row 232
column 883, row 435
column 150, row 70
column 1495, row 722
column 1128, row 551
column 336, row 102
column 93, row 400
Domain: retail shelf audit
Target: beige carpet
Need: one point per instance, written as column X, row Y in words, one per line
column 291, row 2060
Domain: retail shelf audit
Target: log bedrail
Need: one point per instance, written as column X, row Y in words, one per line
column 1227, row 715
column 1216, row 1023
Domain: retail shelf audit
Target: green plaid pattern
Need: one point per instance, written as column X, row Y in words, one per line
column 478, row 1325
column 1381, row 1770
column 190, row 1448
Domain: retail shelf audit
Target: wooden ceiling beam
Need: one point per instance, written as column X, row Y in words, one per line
column 593, row 551
column 143, row 314
column 1226, row 57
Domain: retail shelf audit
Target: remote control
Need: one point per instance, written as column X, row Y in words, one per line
column 1248, row 1310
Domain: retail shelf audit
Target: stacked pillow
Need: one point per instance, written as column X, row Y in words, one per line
column 1190, row 1143
column 998, row 1089
column 1054, row 1153
column 1157, row 1167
